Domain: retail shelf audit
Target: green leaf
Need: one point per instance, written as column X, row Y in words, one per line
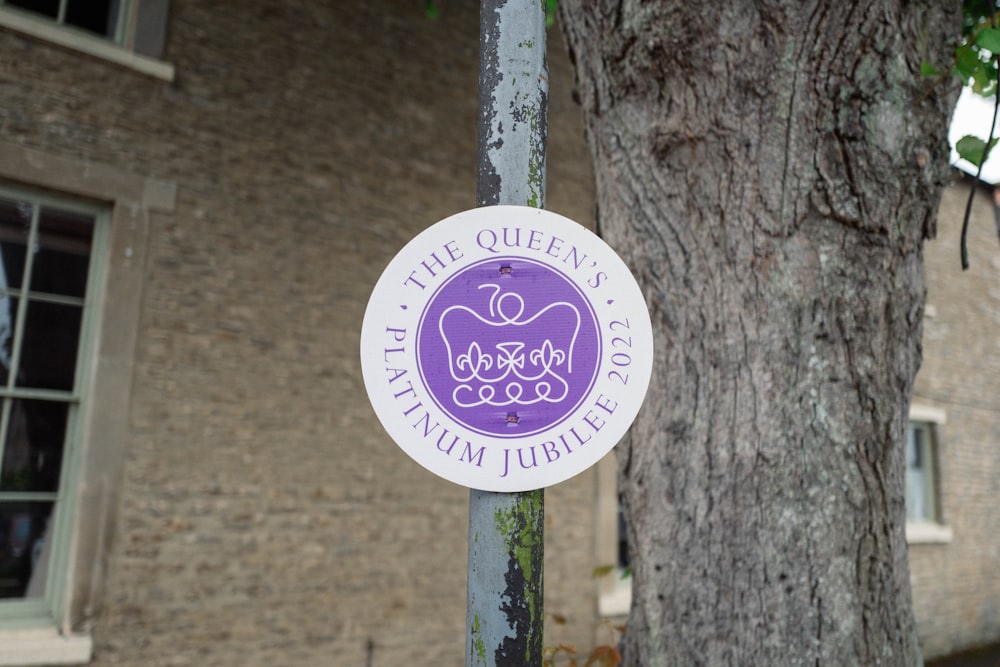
column 982, row 82
column 926, row 69
column 989, row 39
column 967, row 64
column 973, row 149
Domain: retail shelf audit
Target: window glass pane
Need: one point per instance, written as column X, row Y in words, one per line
column 63, row 252
column 624, row 559
column 15, row 223
column 33, row 449
column 49, row 347
column 47, row 7
column 914, row 477
column 920, row 494
column 24, row 540
column 93, row 15
column 8, row 320
column 915, row 449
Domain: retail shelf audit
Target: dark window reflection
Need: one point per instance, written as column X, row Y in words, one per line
column 49, row 8
column 62, row 254
column 49, row 348
column 8, row 321
column 624, row 559
column 59, row 266
column 15, row 224
column 33, row 448
column 93, row 15
column 97, row 16
column 24, row 547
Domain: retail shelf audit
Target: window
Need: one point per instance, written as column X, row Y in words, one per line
column 47, row 260
column 924, row 516
column 624, row 559
column 73, row 268
column 131, row 33
column 100, row 17
column 614, row 586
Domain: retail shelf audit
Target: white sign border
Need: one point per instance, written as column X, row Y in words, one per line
column 445, row 447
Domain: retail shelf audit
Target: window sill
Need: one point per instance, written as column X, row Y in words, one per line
column 926, row 532
column 22, row 648
column 615, row 603
column 92, row 46
column 614, row 594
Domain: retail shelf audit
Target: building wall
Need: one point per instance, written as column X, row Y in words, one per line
column 956, row 587
column 265, row 518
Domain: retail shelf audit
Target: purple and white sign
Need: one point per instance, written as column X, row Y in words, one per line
column 506, row 348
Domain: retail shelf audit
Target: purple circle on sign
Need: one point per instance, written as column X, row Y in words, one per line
column 508, row 347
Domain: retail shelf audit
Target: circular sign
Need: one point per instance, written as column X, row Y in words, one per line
column 506, row 348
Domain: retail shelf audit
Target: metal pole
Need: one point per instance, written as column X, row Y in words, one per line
column 504, row 612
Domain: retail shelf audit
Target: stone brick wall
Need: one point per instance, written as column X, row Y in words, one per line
column 956, row 587
column 267, row 519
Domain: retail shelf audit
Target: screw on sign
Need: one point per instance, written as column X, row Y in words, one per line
column 506, row 348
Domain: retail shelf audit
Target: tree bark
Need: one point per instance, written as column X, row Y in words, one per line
column 770, row 171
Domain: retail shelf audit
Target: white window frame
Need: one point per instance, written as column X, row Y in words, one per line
column 41, row 611
column 932, row 529
column 134, row 203
column 614, row 587
column 137, row 16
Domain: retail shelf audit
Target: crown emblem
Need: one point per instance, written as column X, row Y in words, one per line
column 504, row 357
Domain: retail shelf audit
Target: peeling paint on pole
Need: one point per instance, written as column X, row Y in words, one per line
column 506, row 533
column 513, row 104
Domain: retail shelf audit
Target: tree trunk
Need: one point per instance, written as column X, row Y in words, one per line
column 770, row 171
